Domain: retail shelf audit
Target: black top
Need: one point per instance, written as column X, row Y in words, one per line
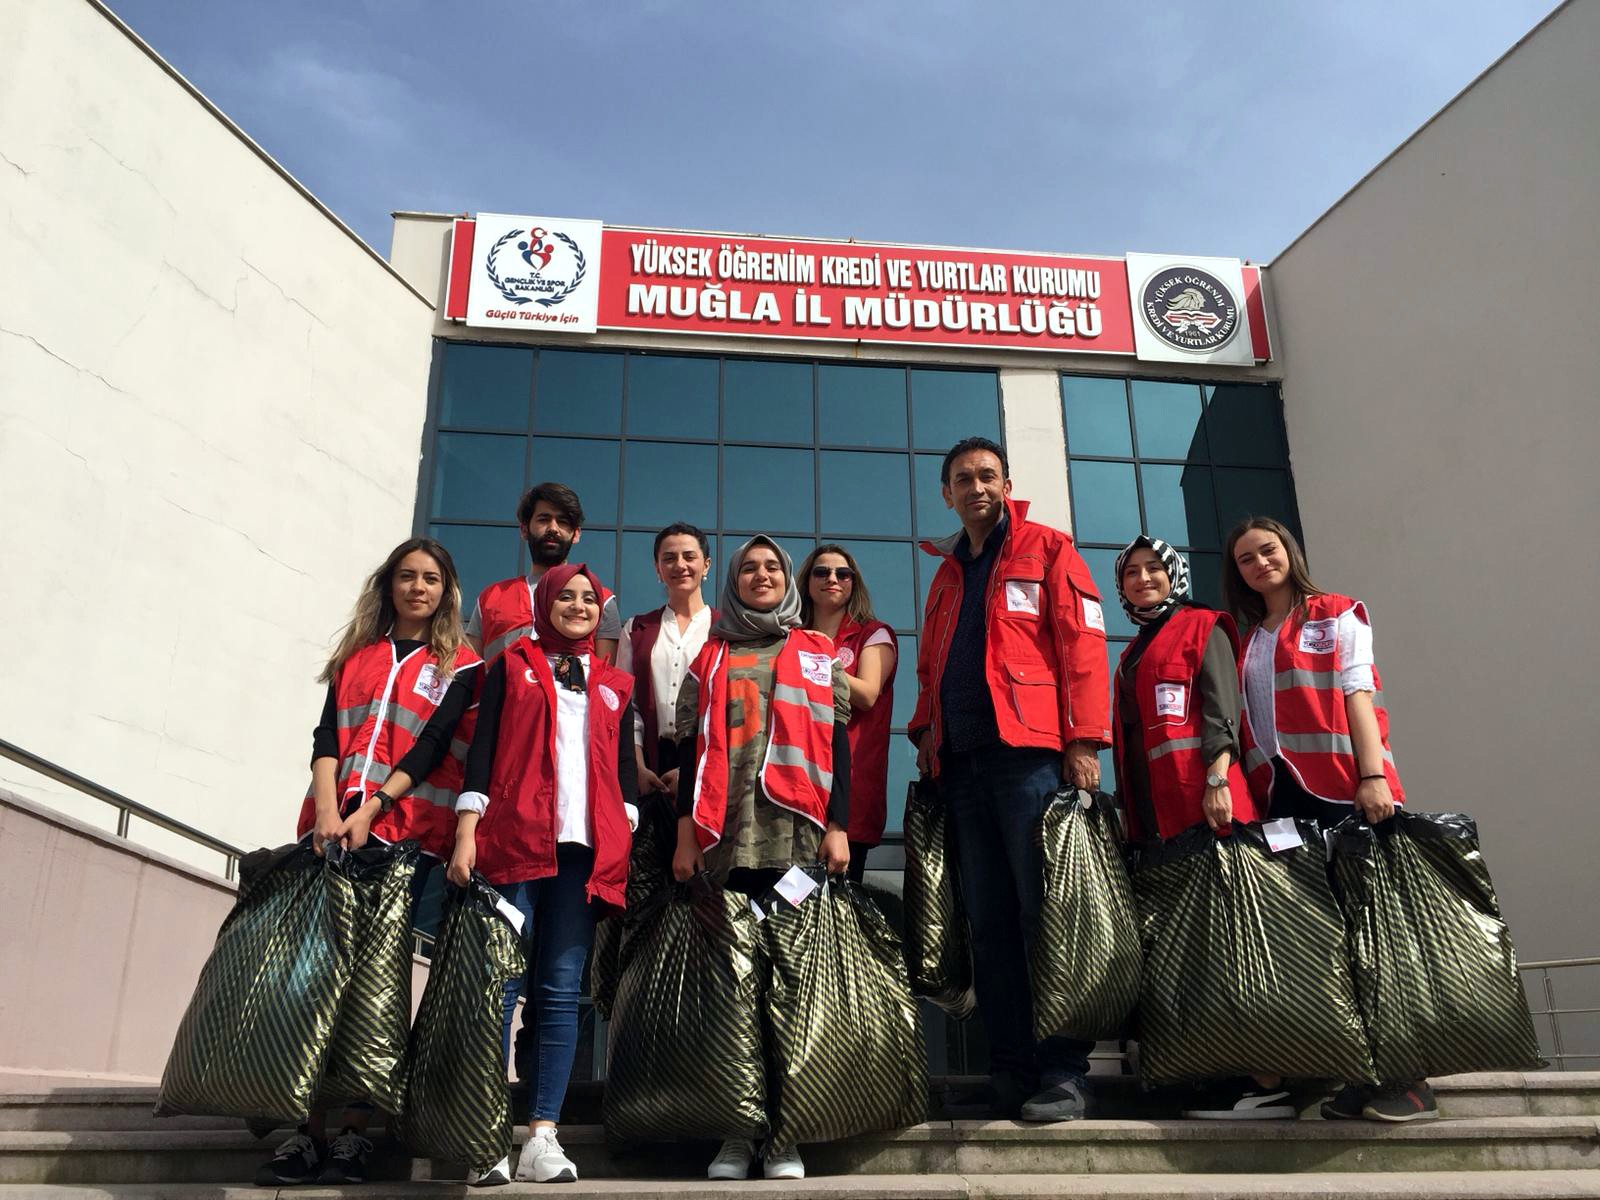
column 964, row 697
column 838, row 798
column 1218, row 685
column 432, row 744
column 486, row 736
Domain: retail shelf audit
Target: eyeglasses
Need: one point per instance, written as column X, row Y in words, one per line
column 845, row 574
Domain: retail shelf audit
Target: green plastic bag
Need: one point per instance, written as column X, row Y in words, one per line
column 1246, row 965
column 367, row 1056
column 847, row 1049
column 649, row 874
column 1436, row 973
column 938, row 949
column 457, row 1105
column 253, row 1039
column 683, row 1053
column 1086, row 958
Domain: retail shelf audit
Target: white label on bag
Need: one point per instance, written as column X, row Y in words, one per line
column 795, row 886
column 509, row 911
column 1172, row 699
column 1094, row 617
column 1022, row 595
column 756, row 908
column 1319, row 637
column 1282, row 834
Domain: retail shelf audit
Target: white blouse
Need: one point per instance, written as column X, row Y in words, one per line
column 670, row 658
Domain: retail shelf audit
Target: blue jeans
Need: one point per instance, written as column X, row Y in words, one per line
column 996, row 799
column 557, row 911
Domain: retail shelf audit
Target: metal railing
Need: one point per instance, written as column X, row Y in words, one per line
column 1559, row 1054
column 126, row 809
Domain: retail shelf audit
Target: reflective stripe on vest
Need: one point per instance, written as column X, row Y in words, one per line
column 1161, row 749
column 496, row 648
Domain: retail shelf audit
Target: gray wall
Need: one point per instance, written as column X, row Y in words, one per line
column 1442, row 392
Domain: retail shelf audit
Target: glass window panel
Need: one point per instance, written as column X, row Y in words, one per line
column 1105, row 502
column 638, row 588
column 672, row 397
column 934, row 519
column 766, row 401
column 888, row 571
column 1245, row 492
column 947, row 406
column 597, row 549
column 1244, row 423
column 485, row 386
column 902, row 770
column 1096, row 413
column 579, row 392
column 1167, row 418
column 1114, row 651
column 866, row 493
column 863, row 406
column 1205, row 574
column 1103, row 566
column 1108, row 772
column 905, row 683
column 665, row 482
column 477, row 476
column 765, row 489
column 1178, row 504
column 483, row 554
column 586, row 465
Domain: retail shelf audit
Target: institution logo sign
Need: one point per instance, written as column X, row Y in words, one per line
column 1189, row 309
column 535, row 272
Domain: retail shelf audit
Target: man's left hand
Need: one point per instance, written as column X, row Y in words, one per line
column 1080, row 766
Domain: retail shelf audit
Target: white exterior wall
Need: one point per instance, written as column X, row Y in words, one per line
column 211, row 405
column 1442, row 394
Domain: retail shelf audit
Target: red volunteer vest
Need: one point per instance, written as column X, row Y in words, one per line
column 1166, row 684
column 797, row 772
column 505, row 613
column 1308, row 703
column 381, row 708
column 869, row 737
column 646, row 628
column 517, row 834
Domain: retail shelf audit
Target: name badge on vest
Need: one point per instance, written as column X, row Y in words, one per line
column 1172, row 699
column 847, row 657
column 612, row 700
column 818, row 668
column 430, row 684
column 1319, row 637
column 1022, row 595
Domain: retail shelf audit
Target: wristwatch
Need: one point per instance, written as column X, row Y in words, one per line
column 385, row 801
column 1215, row 781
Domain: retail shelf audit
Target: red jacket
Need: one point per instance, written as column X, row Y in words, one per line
column 1308, row 708
column 869, row 736
column 381, row 705
column 505, row 613
column 1045, row 650
column 1171, row 718
column 517, row 833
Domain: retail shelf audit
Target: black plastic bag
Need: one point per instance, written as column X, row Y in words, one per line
column 1436, row 973
column 1086, row 957
column 649, row 873
column 938, row 948
column 367, row 1056
column 1246, row 966
column 458, row 1107
column 847, row 1047
column 683, row 1054
column 253, row 1039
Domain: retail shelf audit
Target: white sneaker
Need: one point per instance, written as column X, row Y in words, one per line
column 784, row 1164
column 733, row 1160
column 544, row 1161
column 496, row 1175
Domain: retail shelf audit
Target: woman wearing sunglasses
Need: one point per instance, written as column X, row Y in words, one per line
column 836, row 602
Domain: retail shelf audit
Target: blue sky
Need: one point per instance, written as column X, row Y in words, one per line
column 1201, row 127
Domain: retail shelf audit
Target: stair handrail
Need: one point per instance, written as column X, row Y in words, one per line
column 1559, row 1054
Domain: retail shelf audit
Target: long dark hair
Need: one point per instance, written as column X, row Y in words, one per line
column 374, row 612
column 858, row 608
column 1246, row 605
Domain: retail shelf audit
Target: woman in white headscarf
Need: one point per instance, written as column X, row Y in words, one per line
column 764, row 769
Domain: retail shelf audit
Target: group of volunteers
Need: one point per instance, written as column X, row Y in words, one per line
column 521, row 744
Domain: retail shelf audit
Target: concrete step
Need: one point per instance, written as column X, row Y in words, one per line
column 936, row 1148
column 1501, row 1094
column 1404, row 1185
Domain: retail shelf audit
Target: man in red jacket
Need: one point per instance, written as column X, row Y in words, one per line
column 1013, row 702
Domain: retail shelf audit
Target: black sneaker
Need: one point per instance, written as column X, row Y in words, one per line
column 1247, row 1102
column 1347, row 1105
column 1064, row 1101
column 347, row 1159
column 296, row 1161
column 1403, row 1102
